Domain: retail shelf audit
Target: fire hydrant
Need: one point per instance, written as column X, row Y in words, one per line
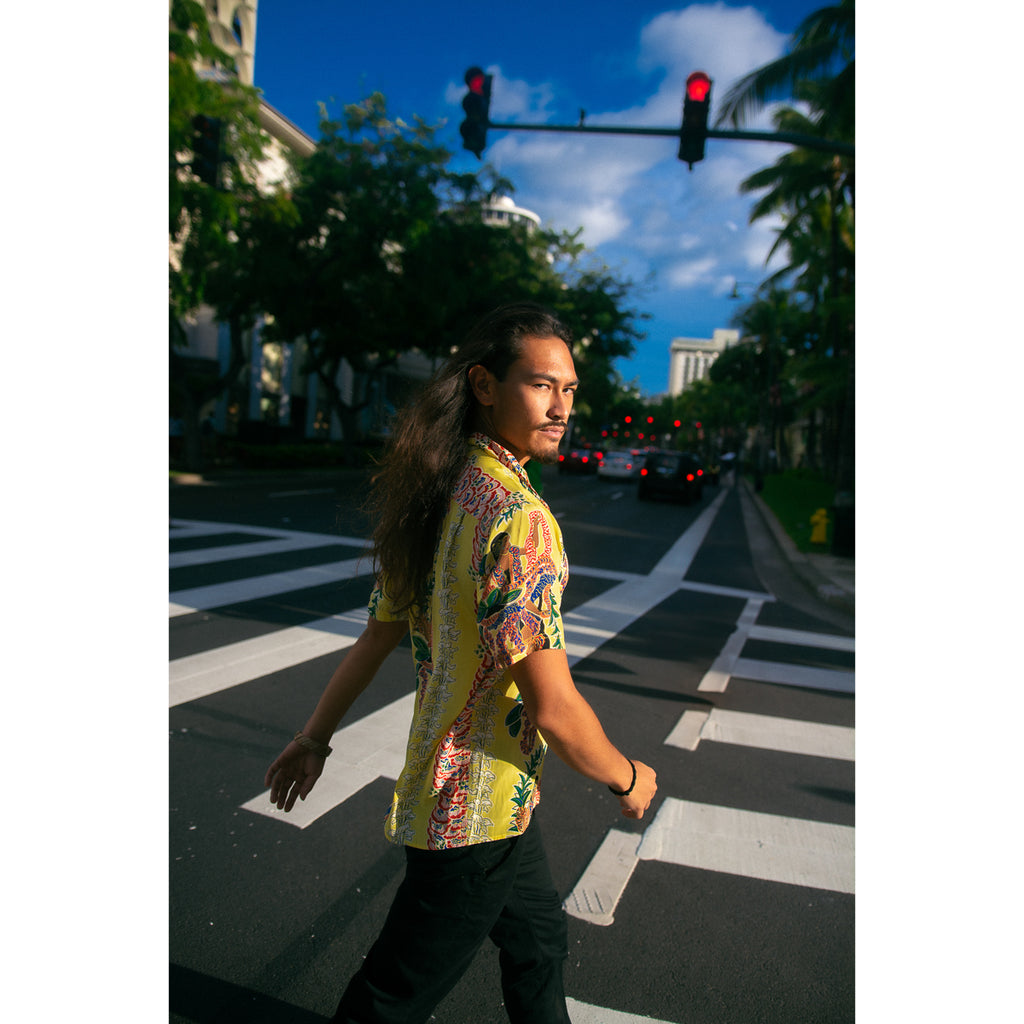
column 819, row 522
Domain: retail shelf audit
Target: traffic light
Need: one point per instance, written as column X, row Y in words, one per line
column 206, row 148
column 477, row 105
column 696, row 102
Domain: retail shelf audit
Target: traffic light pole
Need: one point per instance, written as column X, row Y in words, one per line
column 792, row 138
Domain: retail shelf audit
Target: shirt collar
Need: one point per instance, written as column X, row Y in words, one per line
column 503, row 455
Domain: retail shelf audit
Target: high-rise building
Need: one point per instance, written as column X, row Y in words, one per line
column 690, row 359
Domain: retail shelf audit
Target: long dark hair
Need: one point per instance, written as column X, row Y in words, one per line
column 427, row 451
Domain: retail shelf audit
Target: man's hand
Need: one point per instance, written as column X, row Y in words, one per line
column 293, row 775
column 634, row 805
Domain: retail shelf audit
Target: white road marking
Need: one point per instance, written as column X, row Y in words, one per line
column 217, row 595
column 717, row 677
column 583, row 1013
column 597, row 893
column 815, row 854
column 366, row 750
column 802, row 638
column 198, row 675
column 765, row 732
column 783, row 674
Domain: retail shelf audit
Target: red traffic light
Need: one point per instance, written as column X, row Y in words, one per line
column 477, row 104
column 698, row 85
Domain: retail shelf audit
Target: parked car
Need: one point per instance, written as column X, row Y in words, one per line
column 621, row 464
column 580, row 460
column 675, row 475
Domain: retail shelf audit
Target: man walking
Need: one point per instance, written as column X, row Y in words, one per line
column 469, row 559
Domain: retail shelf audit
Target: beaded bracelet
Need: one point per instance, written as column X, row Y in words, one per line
column 626, row 792
column 321, row 749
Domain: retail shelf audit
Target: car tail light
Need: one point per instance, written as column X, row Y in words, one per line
column 561, row 458
column 690, row 477
column 643, row 472
column 584, row 459
column 700, row 472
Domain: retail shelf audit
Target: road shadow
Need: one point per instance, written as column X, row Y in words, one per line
column 197, row 998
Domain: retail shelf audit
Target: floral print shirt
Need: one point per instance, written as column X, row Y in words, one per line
column 473, row 762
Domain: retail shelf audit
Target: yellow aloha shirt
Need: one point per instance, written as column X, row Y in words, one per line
column 473, row 762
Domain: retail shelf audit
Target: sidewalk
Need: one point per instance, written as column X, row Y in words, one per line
column 828, row 575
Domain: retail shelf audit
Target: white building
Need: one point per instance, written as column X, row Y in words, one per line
column 503, row 212
column 692, row 358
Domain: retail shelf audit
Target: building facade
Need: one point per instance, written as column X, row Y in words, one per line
column 690, row 359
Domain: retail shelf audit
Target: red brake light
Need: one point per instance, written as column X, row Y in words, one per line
column 584, row 459
column 700, row 472
column 689, row 476
column 643, row 472
column 561, row 458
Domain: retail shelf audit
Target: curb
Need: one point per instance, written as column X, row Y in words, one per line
column 825, row 589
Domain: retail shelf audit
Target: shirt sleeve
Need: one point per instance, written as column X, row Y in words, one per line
column 381, row 607
column 520, row 590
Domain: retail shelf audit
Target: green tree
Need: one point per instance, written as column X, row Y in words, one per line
column 391, row 253
column 205, row 217
column 814, row 195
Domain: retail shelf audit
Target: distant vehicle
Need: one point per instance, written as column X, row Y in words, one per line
column 580, row 460
column 675, row 475
column 621, row 464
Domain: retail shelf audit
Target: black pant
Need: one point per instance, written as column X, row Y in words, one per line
column 447, row 904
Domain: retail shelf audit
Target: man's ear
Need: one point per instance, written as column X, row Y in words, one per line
column 481, row 381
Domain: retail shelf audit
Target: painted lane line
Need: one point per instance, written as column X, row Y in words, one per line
column 199, row 675
column 237, row 552
column 717, row 677
column 687, row 732
column 610, row 613
column 802, row 638
column 837, row 680
column 764, row 732
column 597, row 893
column 583, row 1013
column 206, row 528
column 367, row 750
column 218, row 595
column 815, row 854
column 714, row 588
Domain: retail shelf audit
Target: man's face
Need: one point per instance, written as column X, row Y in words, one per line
column 528, row 411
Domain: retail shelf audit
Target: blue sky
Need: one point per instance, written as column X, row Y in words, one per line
column 683, row 236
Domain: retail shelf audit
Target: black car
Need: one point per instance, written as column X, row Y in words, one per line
column 675, row 475
column 580, row 460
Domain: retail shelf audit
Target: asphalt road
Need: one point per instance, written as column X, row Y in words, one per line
column 731, row 901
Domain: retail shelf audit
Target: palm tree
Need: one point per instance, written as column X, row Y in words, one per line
column 822, row 52
column 812, row 191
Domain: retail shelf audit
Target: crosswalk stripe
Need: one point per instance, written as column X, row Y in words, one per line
column 217, row 595
column 255, row 549
column 371, row 748
column 784, row 674
column 199, row 675
column 208, row 527
column 802, row 638
column 596, row 895
column 717, row 677
column 815, row 854
column 584, row 1013
column 765, row 732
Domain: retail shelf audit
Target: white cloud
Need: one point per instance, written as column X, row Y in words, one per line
column 647, row 215
column 690, row 273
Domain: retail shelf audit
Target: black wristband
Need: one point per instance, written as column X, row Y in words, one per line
column 626, row 792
